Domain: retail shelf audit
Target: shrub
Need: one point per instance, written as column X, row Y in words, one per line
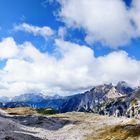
column 46, row 111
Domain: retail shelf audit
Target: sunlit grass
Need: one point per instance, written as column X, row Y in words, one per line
column 21, row 111
column 118, row 132
column 29, row 111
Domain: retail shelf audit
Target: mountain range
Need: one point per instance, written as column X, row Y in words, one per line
column 103, row 99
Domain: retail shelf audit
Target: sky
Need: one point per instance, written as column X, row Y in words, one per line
column 68, row 46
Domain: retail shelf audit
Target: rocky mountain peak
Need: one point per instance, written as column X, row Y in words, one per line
column 113, row 93
column 124, row 88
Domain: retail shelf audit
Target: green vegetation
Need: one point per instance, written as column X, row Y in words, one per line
column 46, row 111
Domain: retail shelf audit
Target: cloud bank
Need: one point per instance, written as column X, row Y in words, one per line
column 72, row 68
column 29, row 70
column 109, row 22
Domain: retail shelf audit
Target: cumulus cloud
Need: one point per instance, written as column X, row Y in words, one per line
column 29, row 70
column 135, row 15
column 35, row 30
column 8, row 48
column 109, row 22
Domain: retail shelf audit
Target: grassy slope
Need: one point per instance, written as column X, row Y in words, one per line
column 118, row 132
column 29, row 111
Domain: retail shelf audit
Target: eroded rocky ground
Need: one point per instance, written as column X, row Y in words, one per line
column 67, row 126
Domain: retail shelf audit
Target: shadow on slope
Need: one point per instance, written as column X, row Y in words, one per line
column 49, row 123
column 40, row 121
column 16, row 136
column 10, row 130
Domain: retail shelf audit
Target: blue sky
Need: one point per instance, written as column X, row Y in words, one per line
column 30, row 11
column 106, row 34
column 41, row 13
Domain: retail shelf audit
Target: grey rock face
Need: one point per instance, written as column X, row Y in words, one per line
column 91, row 100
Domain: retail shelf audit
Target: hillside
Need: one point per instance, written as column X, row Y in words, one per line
column 67, row 126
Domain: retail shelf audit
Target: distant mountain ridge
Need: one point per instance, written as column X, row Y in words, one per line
column 4, row 99
column 29, row 97
column 102, row 99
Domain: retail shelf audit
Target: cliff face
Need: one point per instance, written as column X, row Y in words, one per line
column 120, row 100
column 99, row 99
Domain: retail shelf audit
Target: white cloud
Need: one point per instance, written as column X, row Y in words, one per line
column 109, row 22
column 62, row 31
column 119, row 66
column 135, row 15
column 78, row 69
column 6, row 45
column 35, row 30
